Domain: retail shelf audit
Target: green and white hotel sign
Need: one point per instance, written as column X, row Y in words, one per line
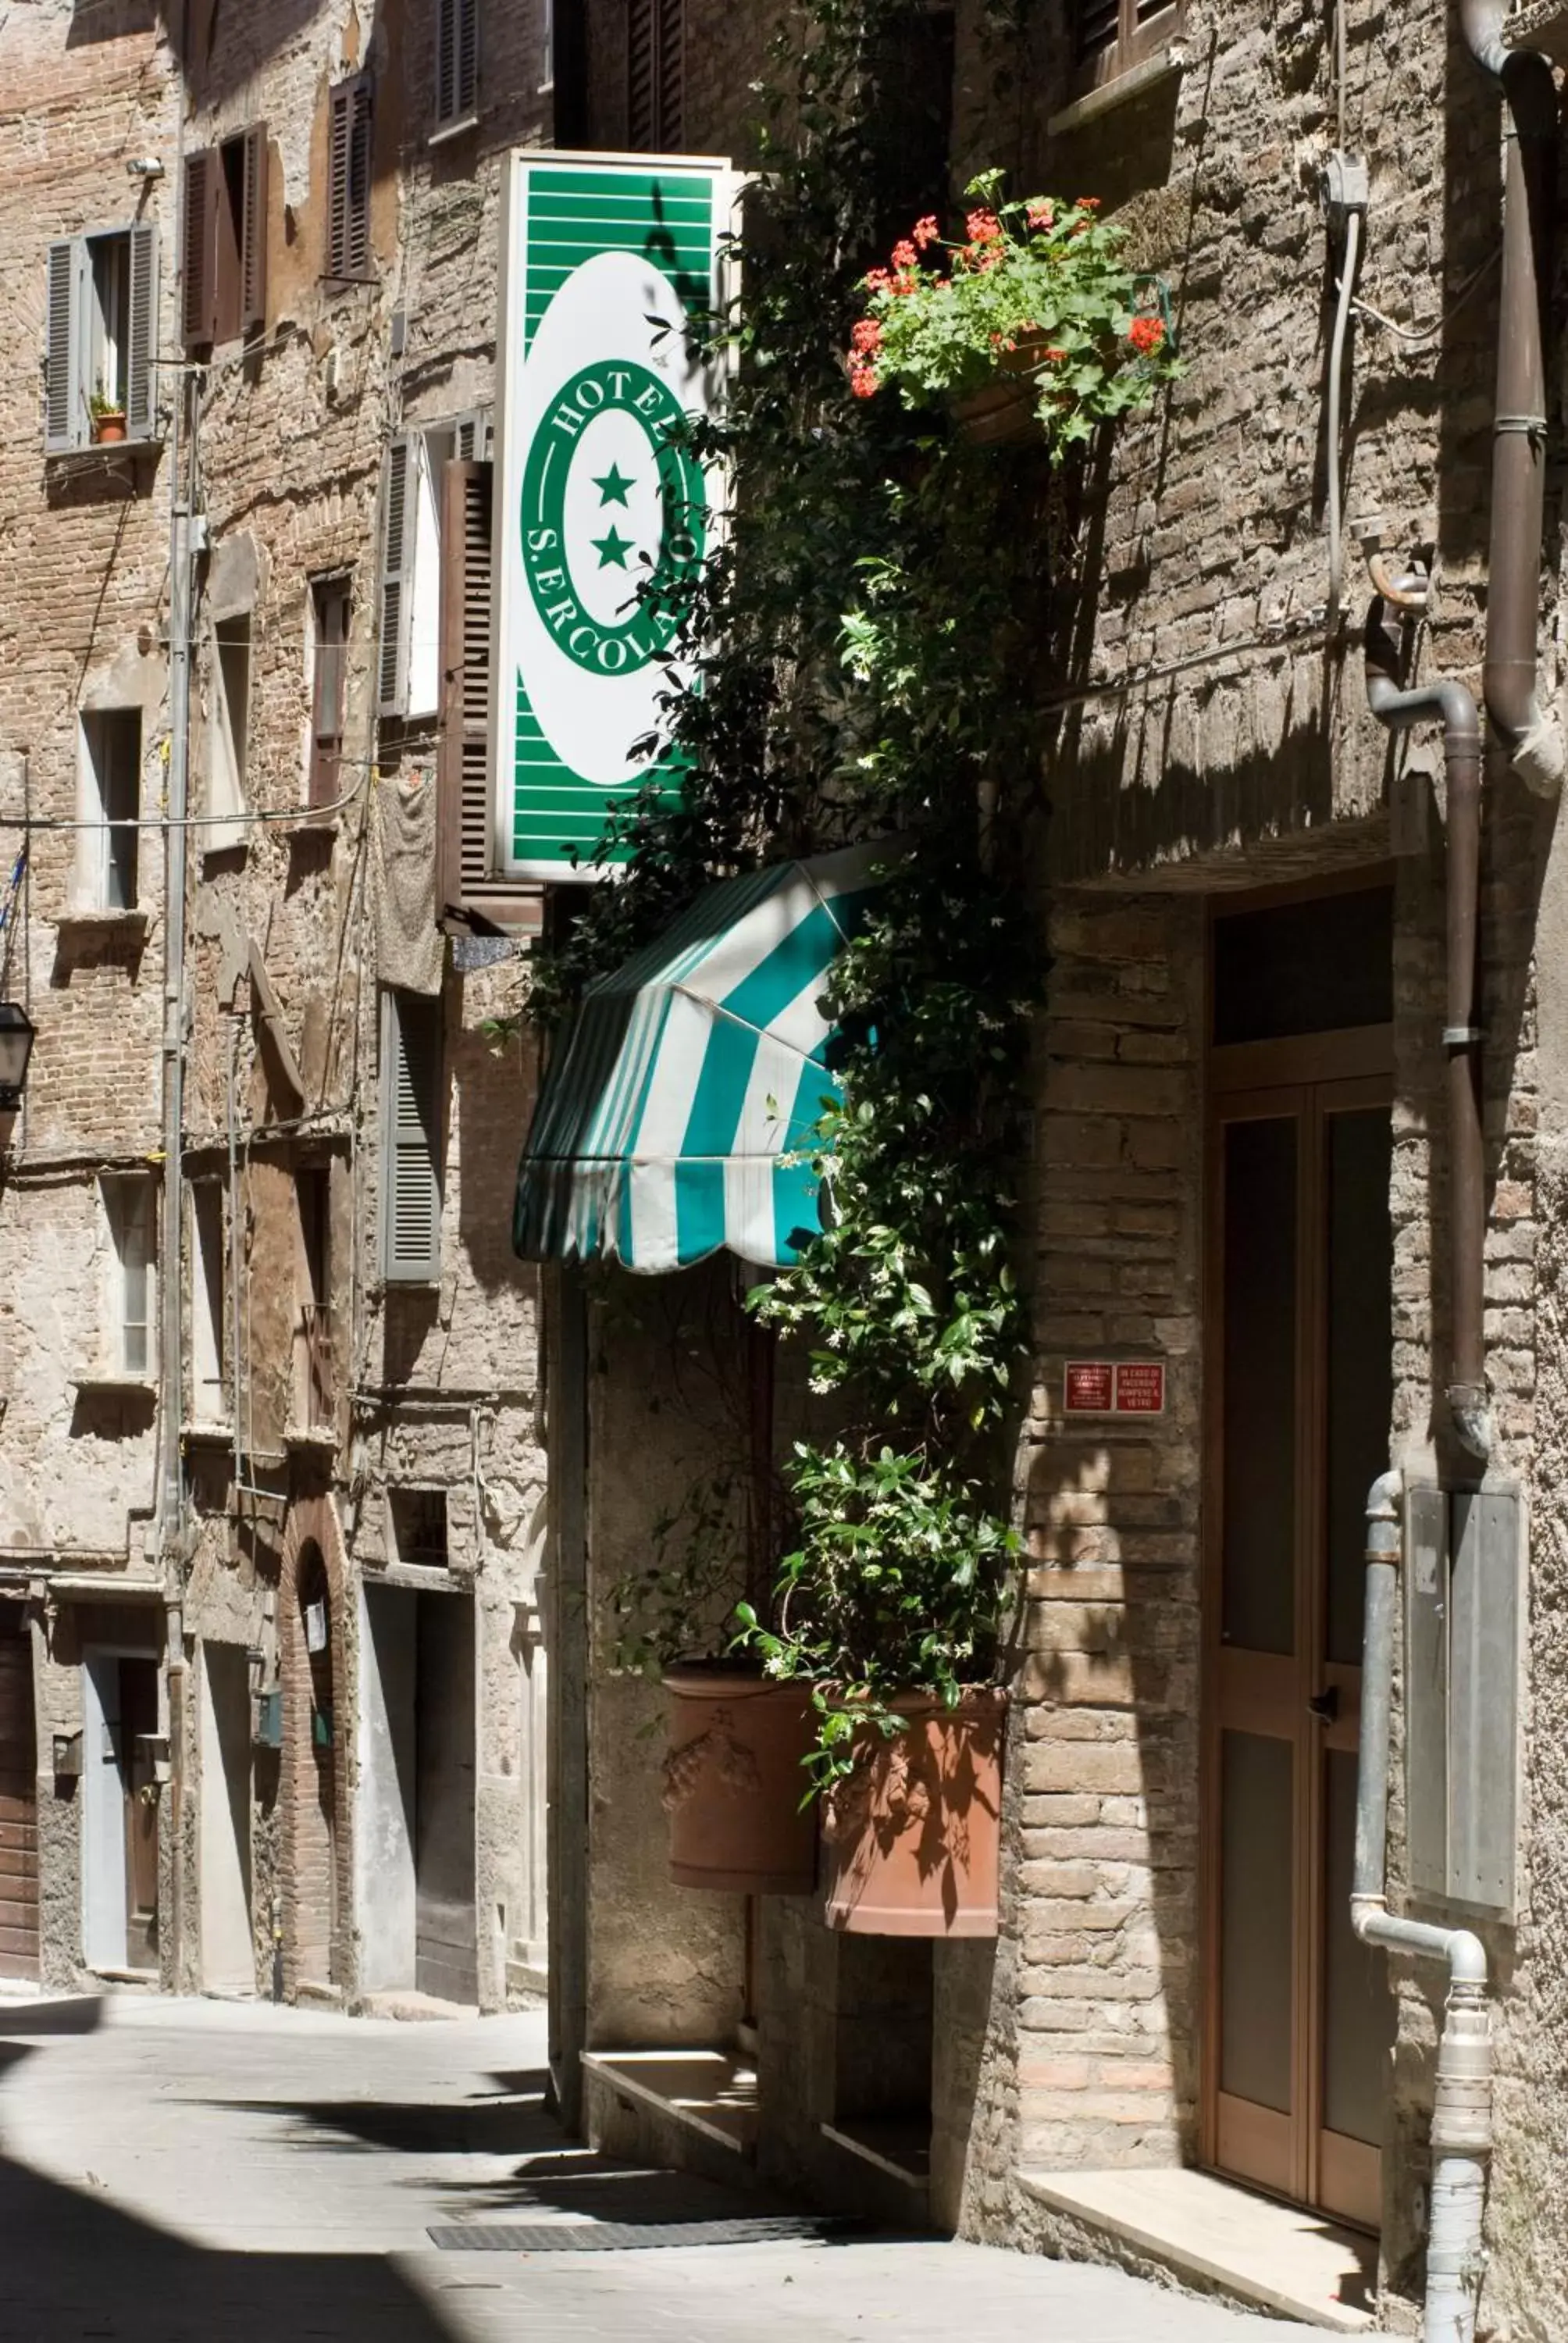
column 600, row 505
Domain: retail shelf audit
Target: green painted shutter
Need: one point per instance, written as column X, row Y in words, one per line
column 411, row 1151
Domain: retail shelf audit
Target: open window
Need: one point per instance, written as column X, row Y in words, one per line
column 656, row 76
column 102, row 331
column 1110, row 37
column 128, row 1205
column 228, row 732
column 457, row 63
column 223, row 248
column 208, row 1400
column 112, row 789
column 409, row 681
column 327, row 660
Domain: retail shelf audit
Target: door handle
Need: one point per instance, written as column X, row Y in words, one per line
column 1325, row 1704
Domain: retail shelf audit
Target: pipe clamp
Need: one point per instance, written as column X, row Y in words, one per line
column 1463, row 1037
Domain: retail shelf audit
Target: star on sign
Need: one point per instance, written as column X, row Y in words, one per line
column 612, row 486
column 612, row 547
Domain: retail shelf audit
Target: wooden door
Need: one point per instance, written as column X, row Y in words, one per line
column 1300, row 2018
column 18, row 1807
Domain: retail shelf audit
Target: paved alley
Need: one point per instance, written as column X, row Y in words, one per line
column 208, row 2172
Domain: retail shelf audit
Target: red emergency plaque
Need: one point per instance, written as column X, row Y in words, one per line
column 1140, row 1387
column 1089, row 1387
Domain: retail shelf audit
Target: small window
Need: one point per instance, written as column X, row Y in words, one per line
column 128, row 1203
column 102, row 332
column 112, row 750
column 655, row 76
column 457, row 60
column 419, row 1526
column 411, row 1138
column 208, row 1285
column 348, row 180
column 328, row 665
column 223, row 256
column 1110, row 36
column 228, row 732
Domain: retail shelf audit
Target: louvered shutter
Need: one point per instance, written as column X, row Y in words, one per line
column 66, row 398
column 641, row 76
column 457, row 59
column 471, row 436
column 198, row 248
column 410, row 1170
column 671, row 66
column 331, row 678
column 462, row 764
column 253, row 230
column 401, row 507
column 141, row 337
column 467, row 58
column 348, row 180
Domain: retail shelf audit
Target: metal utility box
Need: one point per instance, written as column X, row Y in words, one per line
column 1463, row 1660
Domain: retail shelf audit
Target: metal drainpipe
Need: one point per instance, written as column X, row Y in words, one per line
column 1534, row 738
column 1462, row 2104
column 1452, row 705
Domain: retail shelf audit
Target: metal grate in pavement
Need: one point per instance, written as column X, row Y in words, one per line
column 626, row 2236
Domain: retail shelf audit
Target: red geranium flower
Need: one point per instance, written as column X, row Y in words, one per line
column 1146, row 335
column 1086, row 203
column 877, row 280
column 1039, row 214
column 904, row 254
column 866, row 336
column 926, row 231
column 982, row 227
column 864, row 383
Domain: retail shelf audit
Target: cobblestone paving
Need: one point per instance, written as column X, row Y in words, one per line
column 205, row 2172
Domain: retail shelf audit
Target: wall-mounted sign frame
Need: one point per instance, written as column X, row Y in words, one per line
column 599, row 507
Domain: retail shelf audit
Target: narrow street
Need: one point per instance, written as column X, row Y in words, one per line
column 204, row 2172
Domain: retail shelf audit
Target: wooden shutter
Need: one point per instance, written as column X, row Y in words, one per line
column 462, row 761
column 253, row 230
column 655, row 57
column 348, row 180
column 198, row 248
column 18, row 1803
column 641, row 74
column 457, row 59
column 471, row 436
column 66, row 397
column 142, row 337
column 400, row 521
column 1095, row 26
column 410, row 1170
column 672, row 75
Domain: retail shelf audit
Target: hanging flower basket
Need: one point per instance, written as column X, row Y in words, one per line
column 1032, row 324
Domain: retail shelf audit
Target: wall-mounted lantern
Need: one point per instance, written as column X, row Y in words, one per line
column 15, row 1049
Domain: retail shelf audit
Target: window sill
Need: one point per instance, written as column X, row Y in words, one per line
column 101, row 1379
column 207, row 1432
column 132, row 925
column 1144, row 75
column 448, row 130
column 100, row 456
column 320, row 1440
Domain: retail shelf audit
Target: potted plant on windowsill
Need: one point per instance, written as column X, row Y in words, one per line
column 1032, row 325
column 108, row 419
column 733, row 1791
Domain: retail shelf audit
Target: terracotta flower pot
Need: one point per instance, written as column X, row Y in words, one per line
column 1001, row 413
column 733, row 1784
column 109, row 430
column 912, row 1840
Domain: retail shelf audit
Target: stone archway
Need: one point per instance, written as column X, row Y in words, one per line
column 315, row 1677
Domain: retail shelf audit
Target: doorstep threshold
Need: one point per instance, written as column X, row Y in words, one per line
column 1220, row 2238
column 711, row 2092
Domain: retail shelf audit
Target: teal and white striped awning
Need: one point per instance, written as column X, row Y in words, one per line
column 679, row 1102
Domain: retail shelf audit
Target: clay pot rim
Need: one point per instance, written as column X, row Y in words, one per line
column 722, row 1680
column 931, row 1704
